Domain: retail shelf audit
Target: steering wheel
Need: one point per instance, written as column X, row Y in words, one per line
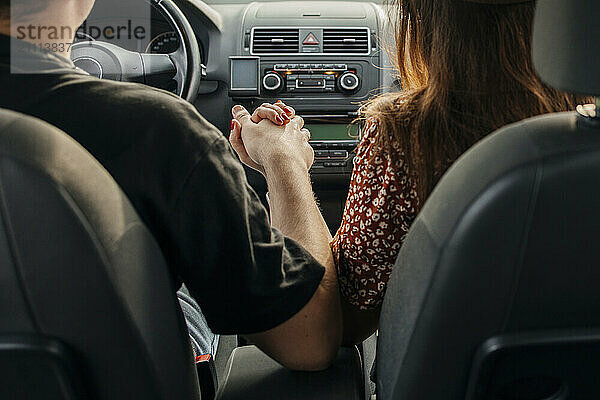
column 109, row 61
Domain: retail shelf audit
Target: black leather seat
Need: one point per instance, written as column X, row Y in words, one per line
column 496, row 291
column 87, row 308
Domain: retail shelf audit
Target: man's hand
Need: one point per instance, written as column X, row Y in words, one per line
column 264, row 145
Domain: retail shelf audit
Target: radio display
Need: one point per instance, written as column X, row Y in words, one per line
column 244, row 75
column 324, row 132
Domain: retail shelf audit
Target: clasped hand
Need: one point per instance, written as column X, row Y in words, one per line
column 272, row 135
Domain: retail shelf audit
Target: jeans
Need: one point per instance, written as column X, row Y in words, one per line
column 202, row 339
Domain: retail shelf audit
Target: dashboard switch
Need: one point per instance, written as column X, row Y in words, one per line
column 272, row 81
column 339, row 153
column 334, row 163
column 348, row 82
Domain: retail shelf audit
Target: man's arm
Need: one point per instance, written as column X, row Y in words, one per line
column 311, row 338
column 358, row 324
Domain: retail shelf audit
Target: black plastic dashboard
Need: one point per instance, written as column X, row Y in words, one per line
column 322, row 57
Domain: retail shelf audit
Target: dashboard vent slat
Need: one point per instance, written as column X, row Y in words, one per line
column 266, row 40
column 352, row 41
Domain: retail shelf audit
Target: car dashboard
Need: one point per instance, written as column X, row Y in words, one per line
column 324, row 58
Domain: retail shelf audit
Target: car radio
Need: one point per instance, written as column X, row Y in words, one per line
column 335, row 85
column 310, row 78
column 325, row 93
column 334, row 145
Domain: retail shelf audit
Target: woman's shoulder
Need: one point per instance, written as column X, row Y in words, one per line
column 376, row 135
column 369, row 129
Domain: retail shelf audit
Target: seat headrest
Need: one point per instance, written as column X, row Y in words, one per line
column 566, row 45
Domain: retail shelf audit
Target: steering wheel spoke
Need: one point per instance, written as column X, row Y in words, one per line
column 160, row 69
column 180, row 59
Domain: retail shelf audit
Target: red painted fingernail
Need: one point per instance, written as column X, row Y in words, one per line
column 278, row 119
column 285, row 117
column 231, row 125
column 288, row 110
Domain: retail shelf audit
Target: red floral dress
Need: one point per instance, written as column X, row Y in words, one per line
column 382, row 204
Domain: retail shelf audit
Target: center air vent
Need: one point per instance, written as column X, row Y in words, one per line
column 267, row 41
column 347, row 41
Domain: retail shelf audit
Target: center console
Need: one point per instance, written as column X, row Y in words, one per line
column 321, row 60
column 252, row 375
column 334, row 143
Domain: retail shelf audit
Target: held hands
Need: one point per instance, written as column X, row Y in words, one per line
column 270, row 136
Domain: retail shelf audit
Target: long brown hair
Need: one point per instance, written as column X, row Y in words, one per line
column 465, row 71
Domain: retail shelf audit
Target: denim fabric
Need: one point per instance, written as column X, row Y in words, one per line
column 202, row 339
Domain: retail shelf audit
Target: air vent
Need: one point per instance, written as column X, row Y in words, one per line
column 346, row 41
column 268, row 41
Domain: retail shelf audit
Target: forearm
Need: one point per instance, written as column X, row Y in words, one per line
column 310, row 339
column 295, row 213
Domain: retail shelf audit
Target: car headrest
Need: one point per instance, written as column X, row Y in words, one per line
column 566, row 46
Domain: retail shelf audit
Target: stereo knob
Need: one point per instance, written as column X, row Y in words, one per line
column 272, row 81
column 349, row 81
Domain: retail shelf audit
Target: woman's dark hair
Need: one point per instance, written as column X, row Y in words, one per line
column 465, row 70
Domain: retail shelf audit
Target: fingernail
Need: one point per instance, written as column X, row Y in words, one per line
column 285, row 117
column 231, row 125
column 278, row 119
column 237, row 107
column 288, row 110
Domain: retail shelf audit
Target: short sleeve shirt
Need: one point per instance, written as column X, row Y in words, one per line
column 186, row 184
column 381, row 206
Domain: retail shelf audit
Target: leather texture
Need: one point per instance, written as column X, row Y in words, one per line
column 78, row 266
column 506, row 244
column 565, row 45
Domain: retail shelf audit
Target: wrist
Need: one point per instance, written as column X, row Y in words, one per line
column 281, row 164
column 281, row 175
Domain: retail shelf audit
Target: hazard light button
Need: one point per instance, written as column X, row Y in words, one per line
column 310, row 40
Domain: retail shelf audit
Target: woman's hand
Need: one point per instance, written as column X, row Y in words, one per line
column 264, row 145
column 278, row 113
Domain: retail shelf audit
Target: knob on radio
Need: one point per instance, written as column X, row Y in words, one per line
column 272, row 81
column 348, row 82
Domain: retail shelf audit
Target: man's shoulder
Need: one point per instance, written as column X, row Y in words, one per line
column 143, row 105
